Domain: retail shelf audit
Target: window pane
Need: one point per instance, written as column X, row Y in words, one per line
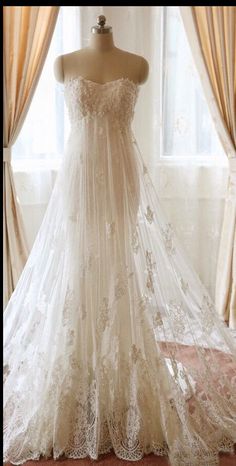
column 187, row 126
column 46, row 126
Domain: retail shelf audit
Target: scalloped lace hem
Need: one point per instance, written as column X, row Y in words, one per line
column 175, row 457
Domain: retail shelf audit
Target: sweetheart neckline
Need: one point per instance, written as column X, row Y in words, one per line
column 81, row 78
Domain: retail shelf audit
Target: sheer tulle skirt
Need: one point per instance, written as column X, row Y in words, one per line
column 111, row 340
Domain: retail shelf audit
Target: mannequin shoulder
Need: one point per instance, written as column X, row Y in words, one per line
column 143, row 70
column 63, row 63
column 139, row 65
column 59, row 69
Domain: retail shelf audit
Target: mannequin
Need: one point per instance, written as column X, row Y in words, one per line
column 101, row 61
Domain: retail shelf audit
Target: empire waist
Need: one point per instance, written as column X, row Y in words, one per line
column 102, row 123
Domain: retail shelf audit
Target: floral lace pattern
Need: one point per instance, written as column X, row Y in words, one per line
column 110, row 339
column 87, row 99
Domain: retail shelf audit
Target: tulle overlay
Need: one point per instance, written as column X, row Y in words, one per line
column 111, row 340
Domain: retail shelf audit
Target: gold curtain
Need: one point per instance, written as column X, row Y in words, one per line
column 216, row 29
column 27, row 33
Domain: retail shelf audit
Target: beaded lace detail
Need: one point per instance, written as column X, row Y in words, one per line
column 114, row 100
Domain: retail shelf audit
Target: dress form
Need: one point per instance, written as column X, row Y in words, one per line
column 101, row 61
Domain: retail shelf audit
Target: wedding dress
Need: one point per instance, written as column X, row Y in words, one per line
column 110, row 339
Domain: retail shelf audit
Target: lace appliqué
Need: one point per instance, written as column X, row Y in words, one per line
column 208, row 312
column 110, row 229
column 135, row 353
column 177, row 315
column 121, row 286
column 69, row 302
column 168, row 235
column 150, row 266
column 135, row 241
column 103, row 316
column 149, row 214
column 157, row 320
column 184, row 285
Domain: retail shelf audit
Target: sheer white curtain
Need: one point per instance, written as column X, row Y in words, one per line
column 172, row 126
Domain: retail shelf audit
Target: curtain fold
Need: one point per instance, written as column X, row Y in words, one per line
column 27, row 32
column 212, row 36
column 226, row 270
column 216, row 28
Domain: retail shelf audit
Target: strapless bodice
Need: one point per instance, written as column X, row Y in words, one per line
column 114, row 100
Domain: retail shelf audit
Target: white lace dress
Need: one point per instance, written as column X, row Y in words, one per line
column 110, row 339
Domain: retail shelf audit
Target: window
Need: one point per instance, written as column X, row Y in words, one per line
column 187, row 125
column 46, row 126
